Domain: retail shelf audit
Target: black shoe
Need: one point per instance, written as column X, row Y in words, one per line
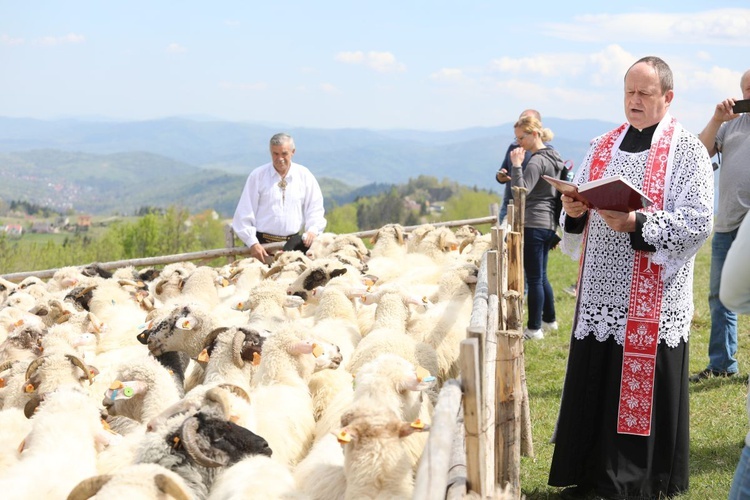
column 577, row 493
column 709, row 373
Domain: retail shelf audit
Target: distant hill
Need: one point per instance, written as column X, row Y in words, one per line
column 115, row 167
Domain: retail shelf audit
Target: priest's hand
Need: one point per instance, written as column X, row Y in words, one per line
column 572, row 207
column 619, row 221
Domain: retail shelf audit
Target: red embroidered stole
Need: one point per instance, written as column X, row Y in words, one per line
column 646, row 289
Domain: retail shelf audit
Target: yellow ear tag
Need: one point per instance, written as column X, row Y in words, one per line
column 256, row 359
column 18, row 323
column 203, row 356
column 176, row 441
column 105, row 425
column 317, row 350
column 116, row 385
column 422, row 374
column 424, row 300
column 29, row 388
column 185, row 324
column 224, row 282
column 454, row 246
column 417, row 424
column 2, row 383
column 343, row 437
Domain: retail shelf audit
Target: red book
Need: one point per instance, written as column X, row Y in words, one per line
column 608, row 193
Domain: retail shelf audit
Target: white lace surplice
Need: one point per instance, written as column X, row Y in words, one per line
column 677, row 232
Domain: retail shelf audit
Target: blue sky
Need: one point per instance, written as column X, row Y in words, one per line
column 428, row 65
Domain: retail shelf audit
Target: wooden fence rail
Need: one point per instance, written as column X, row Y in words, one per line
column 230, row 251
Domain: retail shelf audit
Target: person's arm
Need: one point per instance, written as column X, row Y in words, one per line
column 734, row 291
column 314, row 211
column 722, row 113
column 503, row 173
column 243, row 222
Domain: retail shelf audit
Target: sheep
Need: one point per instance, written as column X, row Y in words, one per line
column 389, row 241
column 183, row 329
column 201, row 286
column 5, row 288
column 256, row 477
column 134, row 481
column 229, row 355
column 280, row 392
column 23, row 342
column 320, row 245
column 268, row 304
column 16, row 426
column 171, row 280
column 198, row 447
column 376, row 464
column 287, row 266
column 60, row 450
column 320, row 475
column 388, row 334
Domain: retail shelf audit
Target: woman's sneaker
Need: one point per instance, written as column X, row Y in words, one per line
column 533, row 334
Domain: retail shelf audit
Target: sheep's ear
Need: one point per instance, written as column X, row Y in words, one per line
column 344, row 436
column 338, row 272
column 305, row 347
column 419, row 380
column 407, row 429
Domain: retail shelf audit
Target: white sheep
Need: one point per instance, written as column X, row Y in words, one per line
column 255, row 478
column 133, row 481
column 376, row 463
column 60, row 450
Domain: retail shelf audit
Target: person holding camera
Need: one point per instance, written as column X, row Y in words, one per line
column 727, row 133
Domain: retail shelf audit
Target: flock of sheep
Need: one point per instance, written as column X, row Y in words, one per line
column 312, row 378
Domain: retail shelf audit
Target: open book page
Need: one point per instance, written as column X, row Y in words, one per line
column 608, row 193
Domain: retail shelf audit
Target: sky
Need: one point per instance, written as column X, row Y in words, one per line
column 391, row 64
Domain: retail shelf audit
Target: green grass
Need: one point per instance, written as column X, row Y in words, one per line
column 718, row 419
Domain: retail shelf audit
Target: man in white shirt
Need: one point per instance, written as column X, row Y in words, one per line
column 279, row 199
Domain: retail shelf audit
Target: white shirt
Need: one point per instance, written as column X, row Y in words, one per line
column 265, row 207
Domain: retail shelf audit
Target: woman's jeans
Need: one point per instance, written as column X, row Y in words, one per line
column 536, row 247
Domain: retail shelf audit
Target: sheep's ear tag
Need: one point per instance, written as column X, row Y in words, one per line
column 417, row 424
column 454, row 246
column 343, row 437
column 317, row 350
column 18, row 323
column 29, row 387
column 105, row 425
column 185, row 324
column 2, row 383
column 423, row 375
column 116, row 385
column 176, row 442
column 424, row 300
column 256, row 359
column 203, row 356
column 224, row 282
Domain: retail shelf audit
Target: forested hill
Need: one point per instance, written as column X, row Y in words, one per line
column 116, row 167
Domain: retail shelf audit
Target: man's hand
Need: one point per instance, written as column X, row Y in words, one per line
column 502, row 176
column 723, row 112
column 619, row 221
column 308, row 238
column 257, row 251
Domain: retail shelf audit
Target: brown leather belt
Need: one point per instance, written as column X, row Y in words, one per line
column 272, row 238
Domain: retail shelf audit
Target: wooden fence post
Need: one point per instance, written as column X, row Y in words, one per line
column 475, row 458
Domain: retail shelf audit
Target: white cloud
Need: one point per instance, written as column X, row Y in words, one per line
column 720, row 26
column 244, row 87
column 546, row 65
column 176, row 48
column 382, row 62
column 449, row 75
column 49, row 41
column 721, row 81
column 7, row 40
column 328, row 88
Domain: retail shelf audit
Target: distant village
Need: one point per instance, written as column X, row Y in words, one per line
column 63, row 224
